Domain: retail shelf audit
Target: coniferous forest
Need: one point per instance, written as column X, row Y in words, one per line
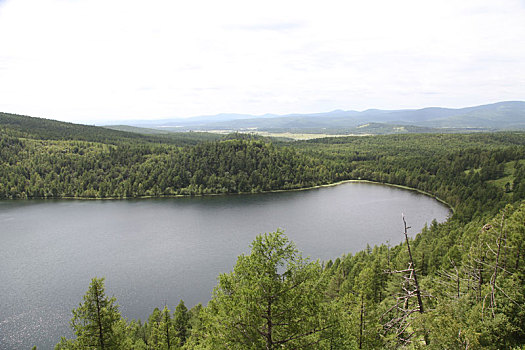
column 456, row 285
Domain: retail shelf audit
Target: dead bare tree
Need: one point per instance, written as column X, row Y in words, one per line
column 417, row 290
column 496, row 267
column 400, row 324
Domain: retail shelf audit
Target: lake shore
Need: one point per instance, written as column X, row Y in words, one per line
column 376, row 183
column 245, row 193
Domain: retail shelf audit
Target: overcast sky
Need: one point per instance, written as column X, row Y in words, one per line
column 96, row 60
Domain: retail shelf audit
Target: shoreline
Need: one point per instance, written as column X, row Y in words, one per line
column 451, row 208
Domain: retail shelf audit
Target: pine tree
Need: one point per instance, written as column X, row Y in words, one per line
column 95, row 319
column 181, row 319
column 273, row 299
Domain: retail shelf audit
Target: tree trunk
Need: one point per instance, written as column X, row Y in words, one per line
column 99, row 320
column 269, row 341
column 480, row 281
column 167, row 333
column 361, row 324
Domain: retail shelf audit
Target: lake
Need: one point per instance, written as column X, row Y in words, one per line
column 154, row 252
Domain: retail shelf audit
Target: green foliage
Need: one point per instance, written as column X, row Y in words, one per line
column 459, row 169
column 162, row 332
column 96, row 322
column 60, row 169
column 272, row 299
column 181, row 322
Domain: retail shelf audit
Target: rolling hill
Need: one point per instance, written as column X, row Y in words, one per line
column 498, row 116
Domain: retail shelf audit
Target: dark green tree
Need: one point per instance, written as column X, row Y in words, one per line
column 181, row 322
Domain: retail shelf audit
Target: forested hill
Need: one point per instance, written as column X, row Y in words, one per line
column 65, row 162
column 46, row 129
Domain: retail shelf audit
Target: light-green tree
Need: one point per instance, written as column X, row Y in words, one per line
column 96, row 322
column 162, row 331
column 273, row 299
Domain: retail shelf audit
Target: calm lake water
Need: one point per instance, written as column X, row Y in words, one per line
column 157, row 251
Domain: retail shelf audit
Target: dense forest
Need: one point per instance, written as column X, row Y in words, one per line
column 122, row 167
column 459, row 284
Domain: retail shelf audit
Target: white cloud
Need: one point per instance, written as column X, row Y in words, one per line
column 92, row 60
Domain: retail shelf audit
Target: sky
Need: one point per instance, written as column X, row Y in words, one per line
column 99, row 60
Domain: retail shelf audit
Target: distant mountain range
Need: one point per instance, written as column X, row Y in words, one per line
column 498, row 116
